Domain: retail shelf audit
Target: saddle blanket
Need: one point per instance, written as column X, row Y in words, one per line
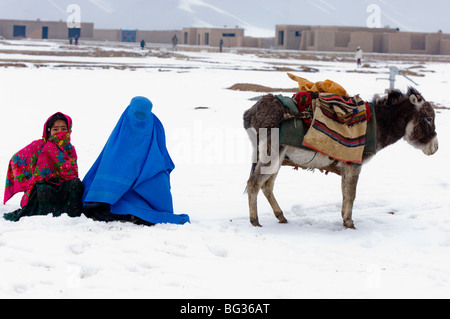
column 342, row 128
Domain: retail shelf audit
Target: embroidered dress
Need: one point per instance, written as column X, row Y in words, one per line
column 46, row 171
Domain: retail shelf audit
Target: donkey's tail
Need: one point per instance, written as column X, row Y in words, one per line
column 253, row 135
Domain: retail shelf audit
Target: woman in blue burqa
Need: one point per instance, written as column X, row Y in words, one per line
column 130, row 180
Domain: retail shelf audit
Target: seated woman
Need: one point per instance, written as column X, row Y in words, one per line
column 46, row 170
column 130, row 179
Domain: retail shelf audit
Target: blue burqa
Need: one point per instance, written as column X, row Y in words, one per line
column 132, row 171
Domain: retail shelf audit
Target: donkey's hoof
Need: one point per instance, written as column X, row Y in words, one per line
column 255, row 223
column 349, row 224
column 282, row 220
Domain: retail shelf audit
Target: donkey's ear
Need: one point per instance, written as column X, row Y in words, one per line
column 412, row 90
column 416, row 100
column 415, row 97
column 394, row 96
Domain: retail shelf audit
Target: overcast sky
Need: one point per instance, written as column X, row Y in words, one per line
column 258, row 17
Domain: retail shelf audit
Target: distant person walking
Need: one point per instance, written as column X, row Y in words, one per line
column 174, row 42
column 142, row 44
column 359, row 56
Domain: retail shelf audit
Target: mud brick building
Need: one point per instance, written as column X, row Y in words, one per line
column 286, row 37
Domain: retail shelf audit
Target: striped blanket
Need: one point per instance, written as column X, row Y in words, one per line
column 339, row 127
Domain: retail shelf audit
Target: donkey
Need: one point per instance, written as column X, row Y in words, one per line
column 398, row 115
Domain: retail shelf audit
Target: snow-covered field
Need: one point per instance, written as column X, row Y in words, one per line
column 401, row 245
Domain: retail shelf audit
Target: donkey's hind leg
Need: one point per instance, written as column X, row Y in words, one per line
column 350, row 175
column 254, row 184
column 264, row 178
column 268, row 192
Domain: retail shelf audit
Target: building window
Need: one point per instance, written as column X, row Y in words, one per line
column 185, row 38
column 19, row 31
column 298, row 33
column 281, row 37
column 44, row 32
column 206, row 38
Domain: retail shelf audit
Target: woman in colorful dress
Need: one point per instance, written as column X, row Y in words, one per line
column 130, row 179
column 46, row 171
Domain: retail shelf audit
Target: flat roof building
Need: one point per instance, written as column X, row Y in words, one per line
column 287, row 37
column 154, row 36
column 347, row 39
column 212, row 36
column 16, row 29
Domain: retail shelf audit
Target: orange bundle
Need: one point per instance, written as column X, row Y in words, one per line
column 326, row 86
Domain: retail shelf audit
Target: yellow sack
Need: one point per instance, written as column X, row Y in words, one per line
column 326, row 86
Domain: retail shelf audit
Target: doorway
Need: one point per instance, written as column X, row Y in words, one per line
column 44, row 32
column 19, row 31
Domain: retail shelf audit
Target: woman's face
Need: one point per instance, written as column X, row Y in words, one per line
column 59, row 126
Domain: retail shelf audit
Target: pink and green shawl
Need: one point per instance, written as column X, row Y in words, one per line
column 53, row 160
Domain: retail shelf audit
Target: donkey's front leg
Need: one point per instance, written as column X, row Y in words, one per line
column 350, row 174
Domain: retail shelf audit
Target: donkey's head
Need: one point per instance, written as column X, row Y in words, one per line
column 421, row 129
column 407, row 116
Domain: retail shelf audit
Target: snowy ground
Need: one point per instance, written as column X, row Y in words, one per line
column 401, row 245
